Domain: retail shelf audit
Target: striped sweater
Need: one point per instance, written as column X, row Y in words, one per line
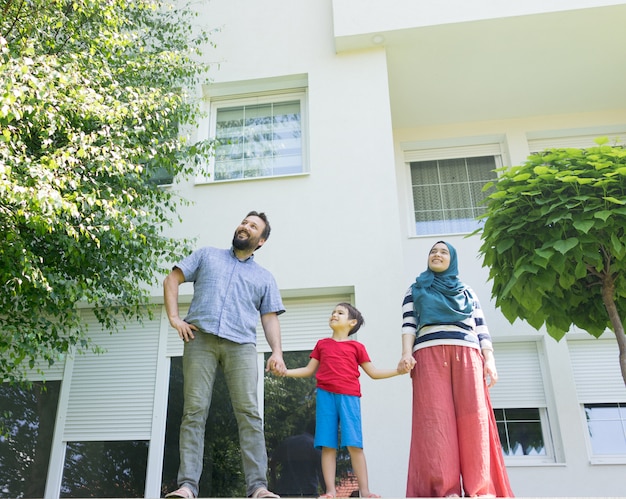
column 472, row 332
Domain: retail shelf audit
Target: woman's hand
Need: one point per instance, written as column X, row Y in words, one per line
column 489, row 369
column 407, row 362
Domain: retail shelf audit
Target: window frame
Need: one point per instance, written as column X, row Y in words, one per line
column 602, row 458
column 447, row 149
column 464, row 223
column 597, row 380
column 530, row 460
column 522, row 385
column 206, row 173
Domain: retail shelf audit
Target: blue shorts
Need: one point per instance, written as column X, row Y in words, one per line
column 335, row 412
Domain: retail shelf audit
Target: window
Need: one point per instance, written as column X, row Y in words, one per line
column 105, row 469
column 447, row 194
column 601, row 394
column 521, row 432
column 26, row 429
column 607, row 428
column 520, row 404
column 258, row 137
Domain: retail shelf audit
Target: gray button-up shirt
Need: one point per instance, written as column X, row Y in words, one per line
column 229, row 294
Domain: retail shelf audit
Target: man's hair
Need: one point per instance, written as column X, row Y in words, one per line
column 353, row 314
column 266, row 232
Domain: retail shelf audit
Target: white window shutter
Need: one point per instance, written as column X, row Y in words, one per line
column 596, row 370
column 573, row 141
column 111, row 395
column 520, row 380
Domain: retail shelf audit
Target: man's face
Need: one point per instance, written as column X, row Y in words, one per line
column 248, row 234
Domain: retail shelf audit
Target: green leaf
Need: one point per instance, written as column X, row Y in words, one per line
column 566, row 245
column 583, row 225
column 611, row 199
column 504, row 245
column 581, row 270
column 602, row 215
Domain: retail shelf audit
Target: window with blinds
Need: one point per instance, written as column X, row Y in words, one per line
column 602, row 395
column 258, row 137
column 519, row 404
column 448, row 193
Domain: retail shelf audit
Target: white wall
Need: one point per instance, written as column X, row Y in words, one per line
column 572, row 474
column 337, row 225
column 346, row 223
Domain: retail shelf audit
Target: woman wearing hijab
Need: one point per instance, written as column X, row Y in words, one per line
column 455, row 447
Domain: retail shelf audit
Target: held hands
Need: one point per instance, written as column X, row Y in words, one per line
column 185, row 330
column 276, row 365
column 407, row 362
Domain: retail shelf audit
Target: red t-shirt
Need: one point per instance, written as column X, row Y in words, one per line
column 338, row 371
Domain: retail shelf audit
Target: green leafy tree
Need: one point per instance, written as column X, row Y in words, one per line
column 554, row 241
column 93, row 98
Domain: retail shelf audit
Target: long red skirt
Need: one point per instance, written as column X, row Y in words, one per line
column 455, row 447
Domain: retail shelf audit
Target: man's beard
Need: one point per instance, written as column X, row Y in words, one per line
column 244, row 244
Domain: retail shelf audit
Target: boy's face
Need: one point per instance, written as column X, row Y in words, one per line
column 340, row 318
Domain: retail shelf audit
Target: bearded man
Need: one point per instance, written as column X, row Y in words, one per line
column 231, row 291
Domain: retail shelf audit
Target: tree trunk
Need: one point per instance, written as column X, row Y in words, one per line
column 608, row 291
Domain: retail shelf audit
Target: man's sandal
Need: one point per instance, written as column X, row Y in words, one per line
column 263, row 493
column 183, row 492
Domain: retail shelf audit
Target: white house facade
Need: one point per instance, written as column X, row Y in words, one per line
column 389, row 117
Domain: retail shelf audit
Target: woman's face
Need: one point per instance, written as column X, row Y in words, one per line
column 439, row 258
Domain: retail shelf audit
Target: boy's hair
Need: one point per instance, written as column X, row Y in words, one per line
column 266, row 232
column 353, row 314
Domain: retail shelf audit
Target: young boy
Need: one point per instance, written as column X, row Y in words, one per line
column 338, row 394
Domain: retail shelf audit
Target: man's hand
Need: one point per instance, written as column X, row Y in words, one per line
column 185, row 330
column 276, row 365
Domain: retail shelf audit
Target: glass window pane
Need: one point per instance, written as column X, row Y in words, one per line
column 27, row 423
column 453, row 171
column 526, row 438
column 456, row 196
column 520, row 430
column 229, row 170
column 427, row 198
column 452, row 190
column 285, row 164
column 607, row 437
column 602, row 412
column 105, row 469
column 260, row 136
column 424, row 173
column 482, row 168
column 607, row 428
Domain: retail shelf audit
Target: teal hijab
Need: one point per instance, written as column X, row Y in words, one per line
column 440, row 297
